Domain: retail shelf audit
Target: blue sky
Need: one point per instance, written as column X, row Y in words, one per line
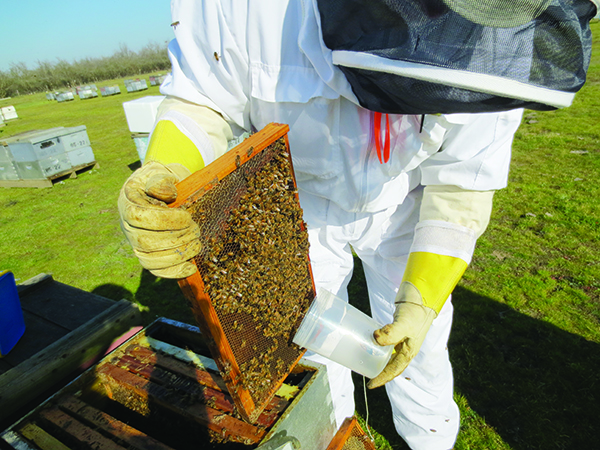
column 45, row 30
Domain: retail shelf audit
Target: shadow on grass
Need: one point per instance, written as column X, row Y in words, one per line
column 537, row 385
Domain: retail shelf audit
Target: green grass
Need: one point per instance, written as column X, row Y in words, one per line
column 72, row 229
column 525, row 345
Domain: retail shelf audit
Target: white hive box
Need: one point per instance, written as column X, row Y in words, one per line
column 157, row 80
column 8, row 113
column 136, row 85
column 37, row 154
column 44, row 168
column 44, row 154
column 77, row 146
column 8, row 171
column 141, row 113
column 109, row 90
column 87, row 93
column 81, row 157
column 35, row 145
column 64, row 96
column 141, row 144
column 73, row 138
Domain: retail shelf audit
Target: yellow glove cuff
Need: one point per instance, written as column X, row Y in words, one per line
column 168, row 145
column 435, row 276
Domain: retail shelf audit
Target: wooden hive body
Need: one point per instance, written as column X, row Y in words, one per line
column 159, row 390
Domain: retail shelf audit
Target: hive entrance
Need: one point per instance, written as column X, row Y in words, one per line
column 254, row 283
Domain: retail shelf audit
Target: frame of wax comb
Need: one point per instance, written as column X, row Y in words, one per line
column 254, row 282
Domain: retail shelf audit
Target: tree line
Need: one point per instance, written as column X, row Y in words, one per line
column 47, row 76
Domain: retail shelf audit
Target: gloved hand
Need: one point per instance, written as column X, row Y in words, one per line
column 407, row 332
column 164, row 239
column 428, row 280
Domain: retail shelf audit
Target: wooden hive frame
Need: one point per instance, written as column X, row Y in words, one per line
column 191, row 190
column 351, row 436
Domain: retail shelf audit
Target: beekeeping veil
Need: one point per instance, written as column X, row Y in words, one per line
column 449, row 56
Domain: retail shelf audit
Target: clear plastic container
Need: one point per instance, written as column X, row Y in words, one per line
column 338, row 331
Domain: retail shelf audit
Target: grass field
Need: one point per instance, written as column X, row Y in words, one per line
column 526, row 340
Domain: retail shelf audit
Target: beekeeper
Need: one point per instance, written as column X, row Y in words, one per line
column 401, row 114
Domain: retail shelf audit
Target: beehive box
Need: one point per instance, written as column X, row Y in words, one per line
column 159, row 390
column 141, row 113
column 40, row 169
column 8, row 171
column 8, row 113
column 81, row 157
column 254, row 282
column 73, row 138
column 136, row 85
column 35, row 145
column 157, row 80
column 87, row 93
column 109, row 90
column 45, row 154
column 64, row 97
column 141, row 144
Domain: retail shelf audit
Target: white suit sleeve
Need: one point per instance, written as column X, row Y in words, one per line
column 460, row 180
column 209, row 58
column 475, row 152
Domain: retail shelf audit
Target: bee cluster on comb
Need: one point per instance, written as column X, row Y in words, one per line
column 251, row 273
column 254, row 282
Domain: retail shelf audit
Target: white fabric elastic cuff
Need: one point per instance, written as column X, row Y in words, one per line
column 444, row 238
column 193, row 132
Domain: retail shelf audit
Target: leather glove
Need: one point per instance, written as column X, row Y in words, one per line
column 407, row 332
column 428, row 280
column 164, row 239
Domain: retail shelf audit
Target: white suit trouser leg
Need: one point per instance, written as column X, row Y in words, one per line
column 424, row 411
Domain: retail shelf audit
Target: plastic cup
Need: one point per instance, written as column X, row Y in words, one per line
column 338, row 331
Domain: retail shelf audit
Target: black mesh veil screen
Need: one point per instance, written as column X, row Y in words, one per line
column 551, row 51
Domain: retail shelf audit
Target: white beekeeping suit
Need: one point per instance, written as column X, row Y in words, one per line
column 408, row 193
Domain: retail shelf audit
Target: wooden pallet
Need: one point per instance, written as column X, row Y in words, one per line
column 49, row 182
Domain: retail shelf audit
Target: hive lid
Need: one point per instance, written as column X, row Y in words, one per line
column 35, row 136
